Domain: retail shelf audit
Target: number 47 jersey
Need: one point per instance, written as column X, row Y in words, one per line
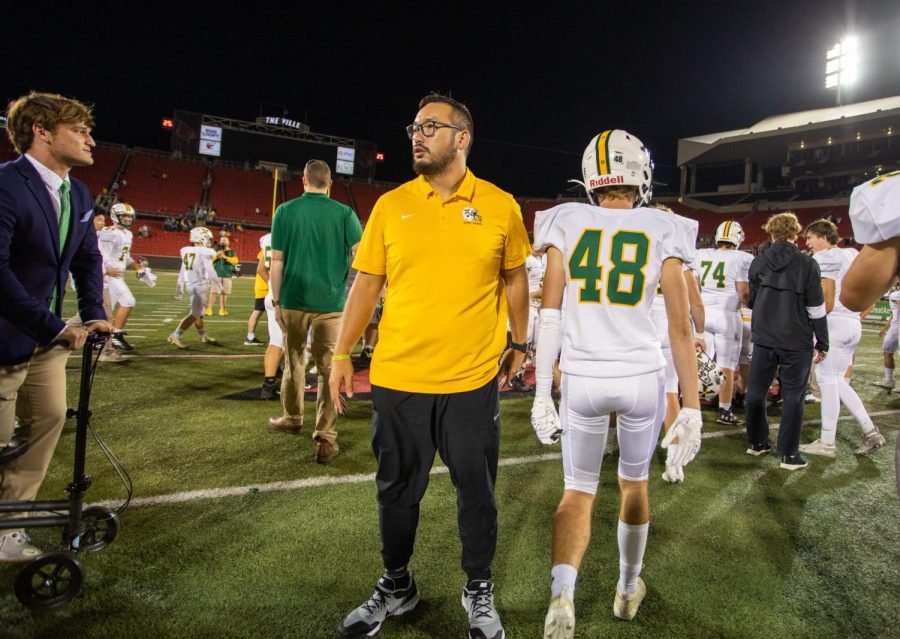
column 612, row 260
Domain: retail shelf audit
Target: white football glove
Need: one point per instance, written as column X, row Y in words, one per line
column 687, row 428
column 179, row 293
column 147, row 276
column 673, row 474
column 545, row 420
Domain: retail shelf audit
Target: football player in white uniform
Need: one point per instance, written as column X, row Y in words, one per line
column 194, row 278
column 608, row 259
column 724, row 286
column 275, row 348
column 661, row 322
column 534, row 268
column 875, row 215
column 891, row 342
column 115, row 245
column 844, row 331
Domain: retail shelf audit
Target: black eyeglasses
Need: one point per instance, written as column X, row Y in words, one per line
column 429, row 128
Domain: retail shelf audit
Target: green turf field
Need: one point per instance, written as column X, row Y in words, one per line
column 741, row 549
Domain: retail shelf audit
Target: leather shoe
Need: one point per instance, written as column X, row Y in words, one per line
column 285, row 425
column 326, row 451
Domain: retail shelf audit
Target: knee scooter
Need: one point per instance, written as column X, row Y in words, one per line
column 55, row 577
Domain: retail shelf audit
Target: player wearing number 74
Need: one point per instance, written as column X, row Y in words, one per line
column 608, row 257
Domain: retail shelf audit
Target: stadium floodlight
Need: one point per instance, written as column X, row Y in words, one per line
column 842, row 65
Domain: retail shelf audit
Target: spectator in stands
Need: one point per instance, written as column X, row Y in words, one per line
column 144, row 231
column 211, row 216
column 170, row 223
column 312, row 240
column 788, row 312
column 224, row 263
column 435, row 373
column 46, row 231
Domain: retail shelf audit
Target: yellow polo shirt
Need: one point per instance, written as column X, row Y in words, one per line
column 444, row 323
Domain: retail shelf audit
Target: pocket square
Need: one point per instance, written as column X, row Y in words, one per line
column 87, row 216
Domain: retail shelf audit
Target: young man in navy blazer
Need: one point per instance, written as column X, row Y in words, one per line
column 46, row 232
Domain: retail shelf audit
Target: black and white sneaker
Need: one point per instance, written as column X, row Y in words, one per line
column 484, row 621
column 759, row 449
column 793, row 462
column 269, row 390
column 118, row 340
column 254, row 342
column 727, row 417
column 387, row 601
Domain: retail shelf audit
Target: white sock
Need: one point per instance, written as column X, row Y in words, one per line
column 854, row 404
column 889, row 374
column 563, row 576
column 725, row 406
column 251, row 337
column 831, row 409
column 632, row 542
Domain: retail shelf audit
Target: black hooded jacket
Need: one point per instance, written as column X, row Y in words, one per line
column 785, row 291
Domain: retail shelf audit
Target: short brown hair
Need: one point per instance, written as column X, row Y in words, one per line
column 462, row 117
column 783, row 226
column 619, row 192
column 317, row 173
column 44, row 109
column 824, row 228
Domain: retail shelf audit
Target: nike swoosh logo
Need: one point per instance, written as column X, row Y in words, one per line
column 403, row 217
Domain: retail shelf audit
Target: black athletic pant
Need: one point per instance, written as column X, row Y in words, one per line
column 407, row 429
column 794, row 378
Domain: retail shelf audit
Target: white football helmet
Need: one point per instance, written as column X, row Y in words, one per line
column 121, row 209
column 730, row 232
column 201, row 235
column 709, row 376
column 616, row 157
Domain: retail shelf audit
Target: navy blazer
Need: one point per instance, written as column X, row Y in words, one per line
column 31, row 265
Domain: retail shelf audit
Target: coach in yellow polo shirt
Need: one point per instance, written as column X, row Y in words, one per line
column 452, row 249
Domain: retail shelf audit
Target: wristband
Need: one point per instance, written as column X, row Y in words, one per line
column 522, row 348
column 340, row 358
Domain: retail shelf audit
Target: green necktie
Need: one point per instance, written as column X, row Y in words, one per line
column 65, row 214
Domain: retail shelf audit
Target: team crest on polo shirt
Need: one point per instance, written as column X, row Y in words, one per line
column 471, row 216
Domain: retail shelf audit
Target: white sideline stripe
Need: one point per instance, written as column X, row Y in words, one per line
column 314, row 482
column 311, row 482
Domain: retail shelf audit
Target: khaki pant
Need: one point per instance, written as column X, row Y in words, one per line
column 34, row 392
column 324, row 337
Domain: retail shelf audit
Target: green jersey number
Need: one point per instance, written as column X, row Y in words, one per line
column 628, row 254
column 188, row 260
column 718, row 273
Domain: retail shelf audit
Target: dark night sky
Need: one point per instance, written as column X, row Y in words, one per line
column 539, row 85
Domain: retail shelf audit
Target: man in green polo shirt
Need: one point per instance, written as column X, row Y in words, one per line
column 313, row 238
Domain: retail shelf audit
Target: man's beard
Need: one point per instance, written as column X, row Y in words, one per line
column 435, row 165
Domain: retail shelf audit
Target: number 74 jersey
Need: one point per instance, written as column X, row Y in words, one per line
column 612, row 260
column 719, row 270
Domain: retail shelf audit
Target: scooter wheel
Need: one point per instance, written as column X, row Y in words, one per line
column 100, row 528
column 50, row 580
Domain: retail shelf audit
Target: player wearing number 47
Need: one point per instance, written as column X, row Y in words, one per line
column 196, row 273
column 608, row 258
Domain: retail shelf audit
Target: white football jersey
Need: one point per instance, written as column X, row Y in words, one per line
column 196, row 265
column 265, row 245
column 873, row 209
column 894, row 302
column 115, row 244
column 690, row 228
column 719, row 270
column 535, row 270
column 612, row 260
column 834, row 264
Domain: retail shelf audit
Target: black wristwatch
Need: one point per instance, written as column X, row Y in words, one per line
column 522, row 348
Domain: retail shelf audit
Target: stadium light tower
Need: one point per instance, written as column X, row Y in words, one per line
column 842, row 65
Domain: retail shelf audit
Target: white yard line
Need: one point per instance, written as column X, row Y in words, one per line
column 313, row 482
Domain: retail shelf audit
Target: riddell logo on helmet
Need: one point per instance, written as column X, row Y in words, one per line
column 607, row 180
